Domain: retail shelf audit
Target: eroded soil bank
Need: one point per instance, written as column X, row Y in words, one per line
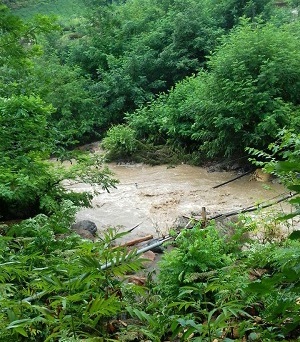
column 155, row 196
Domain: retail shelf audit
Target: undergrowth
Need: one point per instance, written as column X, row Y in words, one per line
column 56, row 286
column 214, row 288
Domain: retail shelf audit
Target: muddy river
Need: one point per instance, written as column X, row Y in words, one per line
column 155, row 196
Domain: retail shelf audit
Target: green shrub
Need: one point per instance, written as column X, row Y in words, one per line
column 252, row 94
column 120, row 142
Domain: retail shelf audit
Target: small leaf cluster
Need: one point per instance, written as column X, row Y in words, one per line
column 282, row 159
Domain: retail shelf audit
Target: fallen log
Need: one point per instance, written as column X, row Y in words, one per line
column 35, row 296
column 135, row 241
column 156, row 244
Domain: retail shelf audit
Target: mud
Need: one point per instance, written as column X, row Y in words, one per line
column 155, row 196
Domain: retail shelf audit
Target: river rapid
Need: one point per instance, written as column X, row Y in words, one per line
column 153, row 197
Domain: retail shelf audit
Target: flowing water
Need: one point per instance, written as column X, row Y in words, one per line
column 155, row 196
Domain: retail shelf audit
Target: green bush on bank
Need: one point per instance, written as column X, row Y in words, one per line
column 120, row 141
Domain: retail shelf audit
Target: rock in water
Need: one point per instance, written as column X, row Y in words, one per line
column 83, row 225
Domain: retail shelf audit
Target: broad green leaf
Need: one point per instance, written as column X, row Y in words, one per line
column 21, row 331
column 295, row 235
column 287, row 166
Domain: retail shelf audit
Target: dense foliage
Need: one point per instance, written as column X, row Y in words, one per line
column 249, row 93
column 56, row 287
column 148, row 46
column 118, row 56
column 29, row 182
column 223, row 292
column 201, row 76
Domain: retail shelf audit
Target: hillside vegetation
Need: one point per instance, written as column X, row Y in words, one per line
column 64, row 10
column 198, row 80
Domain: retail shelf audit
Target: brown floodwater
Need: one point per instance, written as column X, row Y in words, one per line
column 155, row 196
